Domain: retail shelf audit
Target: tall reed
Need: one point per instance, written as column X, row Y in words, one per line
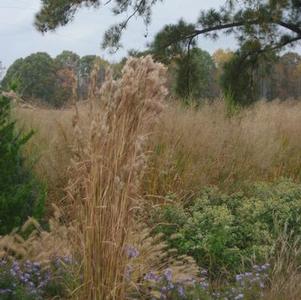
column 108, row 164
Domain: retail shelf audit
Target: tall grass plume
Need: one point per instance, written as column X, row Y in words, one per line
column 109, row 160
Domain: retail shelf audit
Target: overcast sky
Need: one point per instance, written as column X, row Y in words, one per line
column 18, row 37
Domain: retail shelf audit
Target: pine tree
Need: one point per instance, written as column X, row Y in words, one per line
column 274, row 23
column 21, row 195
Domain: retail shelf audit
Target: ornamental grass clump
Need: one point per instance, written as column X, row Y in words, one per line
column 108, row 164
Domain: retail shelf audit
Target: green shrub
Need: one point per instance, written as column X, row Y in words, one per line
column 20, row 193
column 223, row 231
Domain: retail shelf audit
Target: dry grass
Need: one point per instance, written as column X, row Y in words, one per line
column 194, row 148
column 41, row 245
column 285, row 278
column 108, row 162
column 50, row 148
column 190, row 148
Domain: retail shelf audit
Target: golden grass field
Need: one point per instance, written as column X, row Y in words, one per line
column 189, row 148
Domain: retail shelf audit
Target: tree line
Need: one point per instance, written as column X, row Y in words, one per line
column 39, row 78
column 196, row 75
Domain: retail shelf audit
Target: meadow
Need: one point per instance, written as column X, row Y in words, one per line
column 148, row 198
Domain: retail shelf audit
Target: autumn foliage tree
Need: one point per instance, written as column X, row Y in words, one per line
column 220, row 58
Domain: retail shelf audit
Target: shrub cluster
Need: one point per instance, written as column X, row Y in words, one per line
column 222, row 232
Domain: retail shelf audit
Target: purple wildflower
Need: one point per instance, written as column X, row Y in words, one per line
column 181, row 291
column 132, row 252
column 168, row 274
column 151, row 276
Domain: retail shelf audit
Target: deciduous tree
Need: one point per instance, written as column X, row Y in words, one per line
column 34, row 78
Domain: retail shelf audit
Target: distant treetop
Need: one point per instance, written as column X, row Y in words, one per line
column 39, row 78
